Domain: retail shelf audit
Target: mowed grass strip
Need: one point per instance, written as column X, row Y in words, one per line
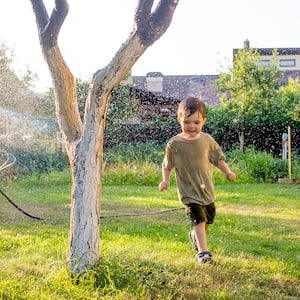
column 255, row 242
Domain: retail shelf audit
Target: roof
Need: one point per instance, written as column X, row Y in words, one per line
column 279, row 51
column 179, row 87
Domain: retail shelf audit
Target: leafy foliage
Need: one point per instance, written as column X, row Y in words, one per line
column 289, row 102
column 135, row 152
column 14, row 92
column 82, row 87
column 249, row 91
column 140, row 164
column 259, row 166
column 29, row 161
column 258, row 105
column 121, row 105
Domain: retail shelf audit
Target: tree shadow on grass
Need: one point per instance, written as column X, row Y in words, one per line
column 140, row 278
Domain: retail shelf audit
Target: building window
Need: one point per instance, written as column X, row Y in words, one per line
column 197, row 79
column 264, row 63
column 287, row 63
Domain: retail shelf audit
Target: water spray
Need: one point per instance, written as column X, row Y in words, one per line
column 10, row 160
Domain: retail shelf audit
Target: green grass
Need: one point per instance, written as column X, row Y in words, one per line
column 255, row 242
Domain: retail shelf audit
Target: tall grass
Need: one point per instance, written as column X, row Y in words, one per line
column 141, row 164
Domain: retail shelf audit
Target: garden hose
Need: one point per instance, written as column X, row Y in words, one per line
column 19, row 208
column 142, row 214
column 101, row 217
column 10, row 160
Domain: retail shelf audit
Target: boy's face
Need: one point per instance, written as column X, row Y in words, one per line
column 192, row 126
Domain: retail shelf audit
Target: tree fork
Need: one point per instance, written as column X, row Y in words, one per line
column 84, row 140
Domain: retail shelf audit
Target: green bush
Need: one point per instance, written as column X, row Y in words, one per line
column 140, row 164
column 38, row 161
column 259, row 166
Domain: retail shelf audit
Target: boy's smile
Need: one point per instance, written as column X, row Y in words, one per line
column 191, row 126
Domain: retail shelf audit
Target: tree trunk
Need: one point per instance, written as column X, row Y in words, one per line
column 84, row 142
column 85, row 202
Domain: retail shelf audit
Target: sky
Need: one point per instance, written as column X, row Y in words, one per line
column 198, row 42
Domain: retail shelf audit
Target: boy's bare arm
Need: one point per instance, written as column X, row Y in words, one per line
column 225, row 169
column 166, row 174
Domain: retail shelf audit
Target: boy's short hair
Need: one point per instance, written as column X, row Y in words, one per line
column 190, row 106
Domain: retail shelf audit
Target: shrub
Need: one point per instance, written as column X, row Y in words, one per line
column 140, row 164
column 38, row 161
column 259, row 166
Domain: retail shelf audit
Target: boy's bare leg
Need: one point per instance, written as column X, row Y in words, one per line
column 200, row 234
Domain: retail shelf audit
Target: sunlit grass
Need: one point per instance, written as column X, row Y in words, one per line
column 255, row 242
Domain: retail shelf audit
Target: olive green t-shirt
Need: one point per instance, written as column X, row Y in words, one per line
column 192, row 161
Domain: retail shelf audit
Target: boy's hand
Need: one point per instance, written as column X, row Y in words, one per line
column 163, row 185
column 230, row 176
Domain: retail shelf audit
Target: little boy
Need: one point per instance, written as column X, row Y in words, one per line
column 192, row 153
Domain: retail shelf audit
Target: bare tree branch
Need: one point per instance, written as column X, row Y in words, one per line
column 162, row 16
column 152, row 24
column 49, row 28
column 57, row 18
column 143, row 13
column 148, row 28
column 41, row 14
column 62, row 78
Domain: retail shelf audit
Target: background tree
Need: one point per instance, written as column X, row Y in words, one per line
column 290, row 101
column 121, row 106
column 82, row 89
column 248, row 90
column 84, row 139
column 24, row 114
column 297, row 112
column 14, row 92
column 221, row 125
column 256, row 104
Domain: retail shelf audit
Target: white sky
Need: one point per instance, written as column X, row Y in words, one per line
column 198, row 42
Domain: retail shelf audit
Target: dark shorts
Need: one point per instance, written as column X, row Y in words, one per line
column 201, row 213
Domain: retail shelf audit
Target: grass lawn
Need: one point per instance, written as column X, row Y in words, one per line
column 255, row 242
